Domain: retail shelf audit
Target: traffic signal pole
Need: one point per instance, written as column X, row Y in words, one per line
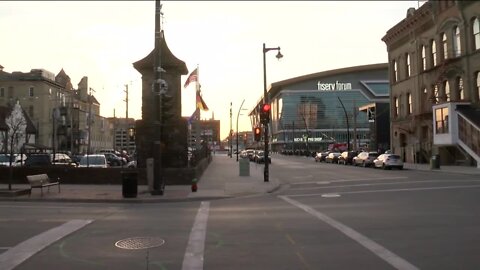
column 267, row 101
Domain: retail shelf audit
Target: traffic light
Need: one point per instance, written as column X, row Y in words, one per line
column 257, row 133
column 265, row 113
column 167, row 108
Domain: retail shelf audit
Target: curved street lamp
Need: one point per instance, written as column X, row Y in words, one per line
column 238, row 115
column 266, row 101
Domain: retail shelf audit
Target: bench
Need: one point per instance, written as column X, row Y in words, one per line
column 40, row 181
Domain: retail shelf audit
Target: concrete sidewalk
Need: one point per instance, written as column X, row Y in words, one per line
column 220, row 180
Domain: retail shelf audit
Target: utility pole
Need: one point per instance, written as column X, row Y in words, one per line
column 126, row 101
column 230, row 134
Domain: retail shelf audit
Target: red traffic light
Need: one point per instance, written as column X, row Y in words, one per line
column 257, row 133
column 266, row 107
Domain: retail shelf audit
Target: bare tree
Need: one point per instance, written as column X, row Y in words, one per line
column 17, row 125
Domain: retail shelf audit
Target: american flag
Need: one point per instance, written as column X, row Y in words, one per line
column 191, row 78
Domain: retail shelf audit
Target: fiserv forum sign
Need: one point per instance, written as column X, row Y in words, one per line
column 336, row 86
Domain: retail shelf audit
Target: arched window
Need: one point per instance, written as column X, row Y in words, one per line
column 461, row 92
column 446, row 88
column 435, row 94
column 395, row 109
column 444, row 46
column 457, row 48
column 476, row 33
column 395, row 71
column 410, row 106
column 424, row 59
column 477, row 79
column 408, row 68
column 434, row 52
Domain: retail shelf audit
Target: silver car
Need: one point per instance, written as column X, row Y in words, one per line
column 388, row 161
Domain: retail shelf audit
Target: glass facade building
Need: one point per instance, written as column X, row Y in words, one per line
column 319, row 111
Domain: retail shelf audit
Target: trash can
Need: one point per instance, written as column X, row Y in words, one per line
column 435, row 162
column 244, row 165
column 129, row 184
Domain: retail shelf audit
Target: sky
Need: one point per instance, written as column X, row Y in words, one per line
column 101, row 40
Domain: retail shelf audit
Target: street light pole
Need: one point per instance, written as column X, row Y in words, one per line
column 238, row 115
column 266, row 101
column 230, row 152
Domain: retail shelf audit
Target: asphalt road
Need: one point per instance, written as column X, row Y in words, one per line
column 325, row 216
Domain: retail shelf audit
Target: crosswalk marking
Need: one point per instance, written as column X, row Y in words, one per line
column 193, row 258
column 369, row 244
column 21, row 252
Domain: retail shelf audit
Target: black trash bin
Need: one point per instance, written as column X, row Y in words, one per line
column 129, row 184
column 435, row 162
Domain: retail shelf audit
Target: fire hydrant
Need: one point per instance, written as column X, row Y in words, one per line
column 194, row 185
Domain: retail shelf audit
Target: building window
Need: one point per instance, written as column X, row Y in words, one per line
column 461, row 92
column 395, row 109
column 476, row 33
column 30, row 111
column 30, row 91
column 444, row 46
column 410, row 106
column 435, row 94
column 408, row 64
column 477, row 79
column 10, row 92
column 2, row 92
column 441, row 120
column 434, row 53
column 446, row 88
column 395, row 71
column 424, row 59
column 457, row 48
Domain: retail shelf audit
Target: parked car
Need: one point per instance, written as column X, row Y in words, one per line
column 113, row 160
column 347, row 157
column 260, row 157
column 18, row 160
column 321, row 156
column 132, row 164
column 332, row 157
column 250, row 154
column 62, row 159
column 38, row 160
column 388, row 161
column 94, row 161
column 365, row 159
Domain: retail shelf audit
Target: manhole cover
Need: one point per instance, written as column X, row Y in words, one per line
column 140, row 242
column 330, row 195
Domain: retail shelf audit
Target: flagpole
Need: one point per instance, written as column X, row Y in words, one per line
column 197, row 123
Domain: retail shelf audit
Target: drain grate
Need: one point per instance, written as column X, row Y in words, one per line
column 140, row 242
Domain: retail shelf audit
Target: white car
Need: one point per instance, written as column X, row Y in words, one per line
column 93, row 161
column 17, row 160
column 388, row 161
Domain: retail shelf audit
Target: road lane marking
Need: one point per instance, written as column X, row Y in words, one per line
column 193, row 258
column 369, row 244
column 388, row 190
column 349, row 180
column 21, row 252
column 372, row 184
